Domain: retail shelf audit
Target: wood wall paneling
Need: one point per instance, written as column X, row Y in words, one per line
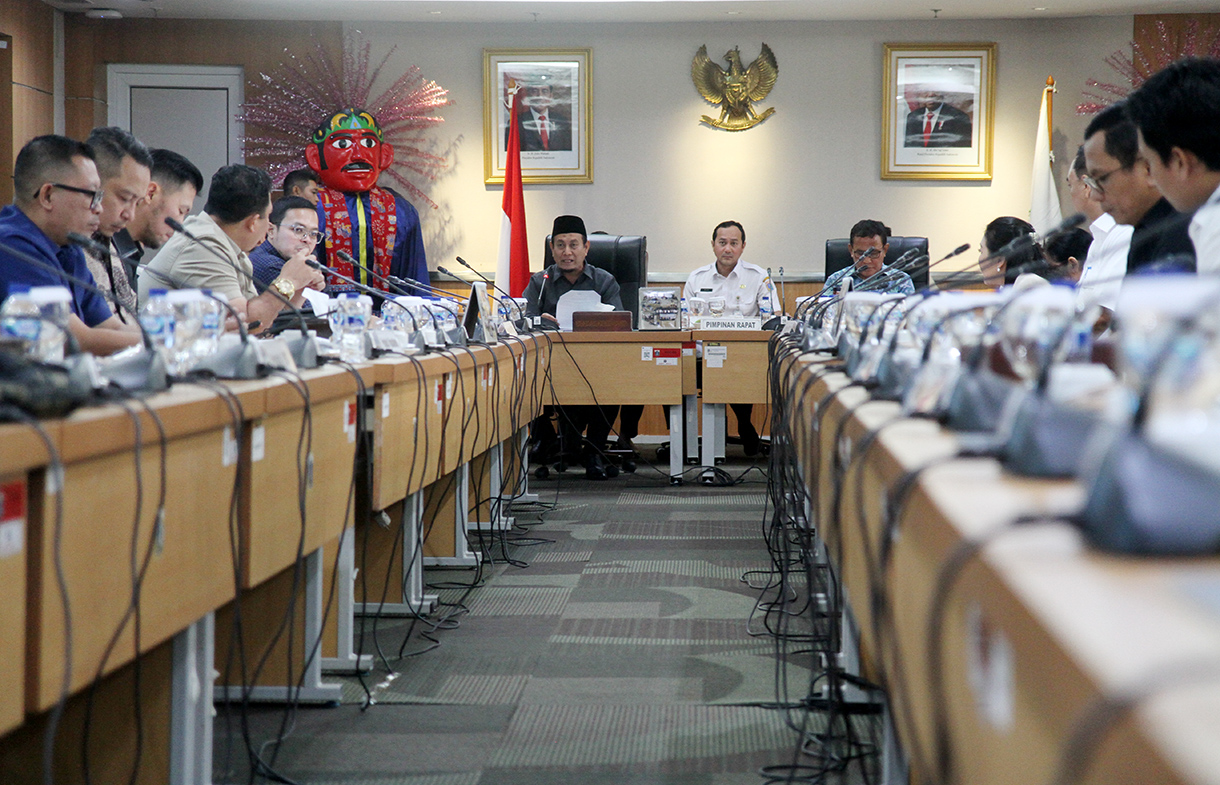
column 26, row 79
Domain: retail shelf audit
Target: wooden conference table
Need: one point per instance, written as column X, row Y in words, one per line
column 1000, row 643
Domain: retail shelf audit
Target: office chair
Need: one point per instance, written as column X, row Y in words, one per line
column 838, row 257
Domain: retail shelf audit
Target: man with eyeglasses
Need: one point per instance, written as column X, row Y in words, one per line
column 868, row 244
column 58, row 192
column 1106, row 263
column 235, row 219
column 125, row 165
column 1121, row 181
column 294, row 231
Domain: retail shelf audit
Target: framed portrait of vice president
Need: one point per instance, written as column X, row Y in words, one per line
column 938, row 111
column 554, row 113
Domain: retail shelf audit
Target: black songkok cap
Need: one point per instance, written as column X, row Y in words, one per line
column 569, row 224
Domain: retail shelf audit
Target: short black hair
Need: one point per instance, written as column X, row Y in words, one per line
column 870, row 228
column 1122, row 143
column 238, row 192
column 726, row 225
column 1179, row 106
column 281, row 206
column 1078, row 164
column 111, row 145
column 1074, row 243
column 299, row 177
column 44, row 159
column 173, row 170
column 1003, row 231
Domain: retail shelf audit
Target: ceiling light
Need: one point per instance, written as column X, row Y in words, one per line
column 103, row 13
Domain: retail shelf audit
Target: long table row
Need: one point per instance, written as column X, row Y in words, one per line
column 145, row 543
column 1011, row 652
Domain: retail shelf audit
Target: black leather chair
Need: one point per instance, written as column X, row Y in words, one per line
column 838, row 257
column 623, row 256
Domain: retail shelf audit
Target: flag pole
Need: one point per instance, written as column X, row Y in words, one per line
column 1050, row 107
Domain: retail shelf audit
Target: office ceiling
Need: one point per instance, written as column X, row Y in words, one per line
column 626, row 11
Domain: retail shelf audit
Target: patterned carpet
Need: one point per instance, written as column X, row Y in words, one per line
column 619, row 642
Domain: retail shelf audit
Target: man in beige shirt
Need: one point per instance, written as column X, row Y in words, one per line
column 234, row 221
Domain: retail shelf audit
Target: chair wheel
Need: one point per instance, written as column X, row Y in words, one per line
column 675, row 480
column 542, row 473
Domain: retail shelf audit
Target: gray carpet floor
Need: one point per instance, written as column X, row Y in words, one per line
column 615, row 636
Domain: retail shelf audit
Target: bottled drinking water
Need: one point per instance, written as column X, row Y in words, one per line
column 55, row 306
column 211, row 325
column 21, row 319
column 348, row 321
column 187, row 307
column 157, row 319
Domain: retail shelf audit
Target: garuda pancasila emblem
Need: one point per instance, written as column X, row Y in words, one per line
column 735, row 89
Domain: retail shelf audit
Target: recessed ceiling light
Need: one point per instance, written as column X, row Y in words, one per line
column 436, row 13
column 1039, row 8
column 103, row 13
column 733, row 13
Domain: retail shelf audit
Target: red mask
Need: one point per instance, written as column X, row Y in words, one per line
column 351, row 156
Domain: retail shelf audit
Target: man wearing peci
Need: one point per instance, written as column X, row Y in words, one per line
column 570, row 246
column 868, row 244
column 936, row 123
column 746, row 291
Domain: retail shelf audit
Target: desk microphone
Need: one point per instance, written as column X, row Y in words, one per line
column 536, row 321
column 144, row 371
column 304, row 349
column 388, row 281
column 489, row 282
column 783, row 305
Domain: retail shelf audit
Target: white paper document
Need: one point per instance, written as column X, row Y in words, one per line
column 572, row 302
column 319, row 300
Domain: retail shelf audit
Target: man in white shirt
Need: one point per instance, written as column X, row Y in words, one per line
column 1178, row 114
column 1106, row 263
column 744, row 290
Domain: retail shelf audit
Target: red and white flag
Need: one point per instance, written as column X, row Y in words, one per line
column 513, row 263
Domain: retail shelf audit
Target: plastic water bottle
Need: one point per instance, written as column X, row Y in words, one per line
column 55, row 306
column 765, row 308
column 211, row 324
column 157, row 319
column 348, row 322
column 188, row 321
column 685, row 315
column 21, row 318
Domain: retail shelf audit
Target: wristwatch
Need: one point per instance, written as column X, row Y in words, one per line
column 285, row 287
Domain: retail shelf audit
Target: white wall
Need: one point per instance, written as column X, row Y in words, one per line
column 804, row 175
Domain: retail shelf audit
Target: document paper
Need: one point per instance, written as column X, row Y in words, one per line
column 572, row 302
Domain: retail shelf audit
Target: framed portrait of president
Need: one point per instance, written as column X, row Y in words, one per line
column 554, row 113
column 938, row 112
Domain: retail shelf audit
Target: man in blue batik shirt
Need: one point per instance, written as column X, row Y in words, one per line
column 868, row 244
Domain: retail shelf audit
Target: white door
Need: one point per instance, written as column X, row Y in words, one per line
column 190, row 109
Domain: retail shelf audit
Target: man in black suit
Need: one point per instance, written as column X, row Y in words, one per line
column 544, row 124
column 937, row 124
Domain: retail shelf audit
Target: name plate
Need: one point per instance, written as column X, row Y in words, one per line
column 730, row 324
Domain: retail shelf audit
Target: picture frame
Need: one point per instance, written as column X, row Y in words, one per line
column 559, row 83
column 938, row 111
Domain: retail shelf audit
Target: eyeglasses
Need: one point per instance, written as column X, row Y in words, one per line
column 1098, row 184
column 95, row 197
column 302, row 232
column 865, row 253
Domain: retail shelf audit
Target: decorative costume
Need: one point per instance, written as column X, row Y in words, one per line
column 378, row 227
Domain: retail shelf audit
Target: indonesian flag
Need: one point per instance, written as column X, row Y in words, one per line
column 513, row 263
column 1045, row 212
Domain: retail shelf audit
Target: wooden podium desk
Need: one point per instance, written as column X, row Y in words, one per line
column 614, row 368
column 1031, row 633
column 735, row 370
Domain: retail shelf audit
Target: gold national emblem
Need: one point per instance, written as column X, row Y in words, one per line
column 735, row 89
